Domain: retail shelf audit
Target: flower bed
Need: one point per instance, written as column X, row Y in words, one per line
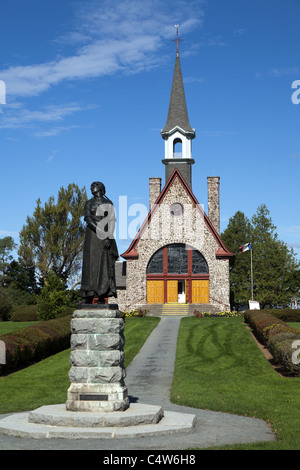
column 135, row 313
column 217, row 314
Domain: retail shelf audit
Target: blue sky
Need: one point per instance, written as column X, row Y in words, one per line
column 87, row 93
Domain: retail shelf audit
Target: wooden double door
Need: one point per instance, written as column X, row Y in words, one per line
column 194, row 291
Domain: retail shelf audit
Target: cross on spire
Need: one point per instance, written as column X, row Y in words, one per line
column 177, row 39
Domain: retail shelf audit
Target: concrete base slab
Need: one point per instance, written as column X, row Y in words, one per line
column 21, row 425
column 58, row 415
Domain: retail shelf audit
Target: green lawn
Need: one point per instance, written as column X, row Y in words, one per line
column 47, row 382
column 294, row 325
column 219, row 367
column 9, row 326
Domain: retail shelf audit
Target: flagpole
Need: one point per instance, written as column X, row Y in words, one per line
column 251, row 275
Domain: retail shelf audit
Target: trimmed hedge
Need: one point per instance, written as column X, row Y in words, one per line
column 285, row 314
column 35, row 342
column 278, row 337
column 24, row 313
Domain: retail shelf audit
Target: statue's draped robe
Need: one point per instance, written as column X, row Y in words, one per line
column 99, row 254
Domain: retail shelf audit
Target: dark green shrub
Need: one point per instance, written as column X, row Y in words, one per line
column 35, row 342
column 259, row 321
column 54, row 300
column 5, row 308
column 24, row 313
column 284, row 314
column 283, row 349
column 276, row 329
column 278, row 336
column 287, row 315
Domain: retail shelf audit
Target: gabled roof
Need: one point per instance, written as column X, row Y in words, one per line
column 177, row 115
column 132, row 253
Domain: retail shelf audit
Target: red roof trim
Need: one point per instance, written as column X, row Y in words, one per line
column 131, row 252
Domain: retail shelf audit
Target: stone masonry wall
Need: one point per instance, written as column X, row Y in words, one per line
column 213, row 183
column 164, row 228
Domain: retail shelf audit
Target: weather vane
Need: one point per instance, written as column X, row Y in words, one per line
column 177, row 39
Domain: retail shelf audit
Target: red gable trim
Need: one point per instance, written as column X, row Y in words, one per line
column 132, row 253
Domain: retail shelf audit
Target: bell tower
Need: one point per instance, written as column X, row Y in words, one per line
column 178, row 133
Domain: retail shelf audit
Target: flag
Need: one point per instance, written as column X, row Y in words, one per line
column 246, row 247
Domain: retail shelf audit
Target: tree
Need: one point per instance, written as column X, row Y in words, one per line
column 54, row 299
column 275, row 268
column 7, row 244
column 274, row 264
column 21, row 277
column 52, row 239
column 237, row 233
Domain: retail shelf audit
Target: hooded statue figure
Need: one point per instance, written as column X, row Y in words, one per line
column 100, row 249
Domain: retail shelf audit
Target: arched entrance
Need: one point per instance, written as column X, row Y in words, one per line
column 177, row 273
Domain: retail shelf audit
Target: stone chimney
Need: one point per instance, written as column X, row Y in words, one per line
column 154, row 190
column 213, row 183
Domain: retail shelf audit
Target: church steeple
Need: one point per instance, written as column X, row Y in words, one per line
column 178, row 132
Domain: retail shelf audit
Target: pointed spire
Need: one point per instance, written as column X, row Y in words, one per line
column 177, row 115
column 178, row 39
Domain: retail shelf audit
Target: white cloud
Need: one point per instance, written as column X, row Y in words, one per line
column 193, row 80
column 239, row 31
column 119, row 36
column 25, row 118
column 284, row 71
column 53, row 132
column 51, row 156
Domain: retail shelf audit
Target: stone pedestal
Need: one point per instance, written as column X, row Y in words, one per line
column 97, row 360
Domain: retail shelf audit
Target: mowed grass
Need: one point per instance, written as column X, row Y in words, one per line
column 47, row 381
column 219, row 367
column 9, row 326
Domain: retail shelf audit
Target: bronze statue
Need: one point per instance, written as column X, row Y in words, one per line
column 100, row 249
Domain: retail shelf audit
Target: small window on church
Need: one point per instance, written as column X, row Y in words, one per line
column 176, row 209
column 177, row 148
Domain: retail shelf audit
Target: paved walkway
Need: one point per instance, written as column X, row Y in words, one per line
column 149, row 379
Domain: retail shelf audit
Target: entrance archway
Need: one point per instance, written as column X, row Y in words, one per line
column 177, row 273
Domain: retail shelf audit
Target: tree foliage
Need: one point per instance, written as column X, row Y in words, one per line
column 52, row 239
column 54, row 299
column 237, row 233
column 275, row 268
column 7, row 244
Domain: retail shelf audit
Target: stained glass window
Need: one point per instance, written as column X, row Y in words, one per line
column 199, row 265
column 156, row 264
column 177, row 259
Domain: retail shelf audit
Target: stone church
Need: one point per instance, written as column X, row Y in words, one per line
column 177, row 256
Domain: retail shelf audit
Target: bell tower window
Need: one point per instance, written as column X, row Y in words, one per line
column 177, row 148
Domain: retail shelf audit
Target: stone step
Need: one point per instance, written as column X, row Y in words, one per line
column 178, row 309
column 175, row 309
